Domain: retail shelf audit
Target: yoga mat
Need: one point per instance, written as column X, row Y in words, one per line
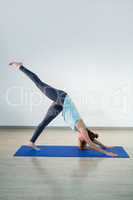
column 67, row 151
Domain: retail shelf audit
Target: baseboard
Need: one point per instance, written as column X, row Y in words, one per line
column 67, row 128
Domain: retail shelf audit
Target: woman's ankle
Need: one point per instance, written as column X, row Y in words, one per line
column 31, row 143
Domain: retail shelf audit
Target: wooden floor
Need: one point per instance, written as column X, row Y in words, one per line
column 64, row 178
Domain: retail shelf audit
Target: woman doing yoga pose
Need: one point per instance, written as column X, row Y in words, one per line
column 62, row 103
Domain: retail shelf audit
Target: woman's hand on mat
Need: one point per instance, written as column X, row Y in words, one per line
column 16, row 64
column 108, row 147
column 111, row 154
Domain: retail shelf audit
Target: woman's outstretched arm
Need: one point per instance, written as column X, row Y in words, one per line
column 101, row 144
column 83, row 132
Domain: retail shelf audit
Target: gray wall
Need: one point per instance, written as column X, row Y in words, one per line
column 82, row 46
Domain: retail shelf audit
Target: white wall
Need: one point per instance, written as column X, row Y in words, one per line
column 82, row 46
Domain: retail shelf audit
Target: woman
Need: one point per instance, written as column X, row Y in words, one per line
column 61, row 103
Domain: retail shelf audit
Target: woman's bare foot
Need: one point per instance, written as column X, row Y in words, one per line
column 16, row 64
column 33, row 146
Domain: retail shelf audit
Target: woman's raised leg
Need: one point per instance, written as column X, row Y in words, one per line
column 51, row 92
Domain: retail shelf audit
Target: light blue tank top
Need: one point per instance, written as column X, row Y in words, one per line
column 70, row 113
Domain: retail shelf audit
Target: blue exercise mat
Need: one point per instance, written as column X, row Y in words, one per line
column 67, row 151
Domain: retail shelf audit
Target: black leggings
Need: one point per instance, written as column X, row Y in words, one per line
column 57, row 96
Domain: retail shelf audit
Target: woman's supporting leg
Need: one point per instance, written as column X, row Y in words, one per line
column 52, row 93
column 52, row 112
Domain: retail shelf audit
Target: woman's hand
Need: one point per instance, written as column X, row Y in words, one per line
column 111, row 154
column 108, row 147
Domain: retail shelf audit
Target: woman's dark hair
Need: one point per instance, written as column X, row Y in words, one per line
column 92, row 135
